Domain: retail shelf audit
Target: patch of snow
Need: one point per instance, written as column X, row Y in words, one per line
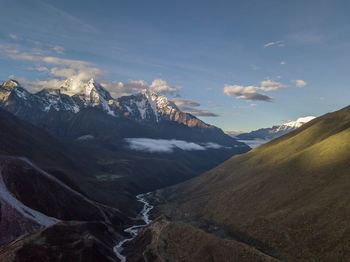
column 128, row 109
column 295, row 124
column 21, row 93
column 152, row 103
column 27, row 212
column 141, row 106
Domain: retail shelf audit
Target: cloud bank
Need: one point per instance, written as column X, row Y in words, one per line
column 254, row 92
column 167, row 146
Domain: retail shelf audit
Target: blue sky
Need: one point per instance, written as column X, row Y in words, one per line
column 238, row 60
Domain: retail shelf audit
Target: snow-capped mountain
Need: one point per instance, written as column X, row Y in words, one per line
column 291, row 125
column 59, row 109
column 275, row 131
column 73, row 96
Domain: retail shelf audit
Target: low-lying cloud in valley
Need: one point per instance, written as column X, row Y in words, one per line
column 167, row 146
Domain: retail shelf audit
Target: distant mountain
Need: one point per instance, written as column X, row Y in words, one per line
column 283, row 201
column 275, row 131
column 147, row 113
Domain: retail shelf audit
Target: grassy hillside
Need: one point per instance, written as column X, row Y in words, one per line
column 288, row 198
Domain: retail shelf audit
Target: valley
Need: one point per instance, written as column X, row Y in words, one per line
column 78, row 159
column 174, row 131
column 86, row 173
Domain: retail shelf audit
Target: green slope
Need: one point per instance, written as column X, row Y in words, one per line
column 289, row 198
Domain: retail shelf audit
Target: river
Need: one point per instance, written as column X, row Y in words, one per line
column 134, row 230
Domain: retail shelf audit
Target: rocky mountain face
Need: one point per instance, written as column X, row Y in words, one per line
column 284, row 200
column 73, row 97
column 275, row 131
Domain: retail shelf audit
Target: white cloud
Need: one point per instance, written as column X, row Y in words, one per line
column 167, row 146
column 118, row 89
column 254, row 92
column 283, row 63
column 37, row 85
column 59, row 69
column 160, row 86
column 56, row 67
column 278, row 43
column 269, row 85
column 212, row 145
column 300, row 83
column 192, row 107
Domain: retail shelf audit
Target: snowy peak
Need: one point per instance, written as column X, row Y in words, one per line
column 75, row 95
column 149, row 106
column 139, row 106
column 295, row 124
column 89, row 94
column 89, row 90
column 163, row 104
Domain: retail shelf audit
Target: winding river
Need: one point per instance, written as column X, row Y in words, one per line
column 133, row 230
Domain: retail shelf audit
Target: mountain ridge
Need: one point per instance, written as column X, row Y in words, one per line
column 44, row 107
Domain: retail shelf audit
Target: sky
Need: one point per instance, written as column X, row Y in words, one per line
column 240, row 65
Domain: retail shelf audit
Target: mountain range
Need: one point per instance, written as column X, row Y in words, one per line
column 154, row 115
